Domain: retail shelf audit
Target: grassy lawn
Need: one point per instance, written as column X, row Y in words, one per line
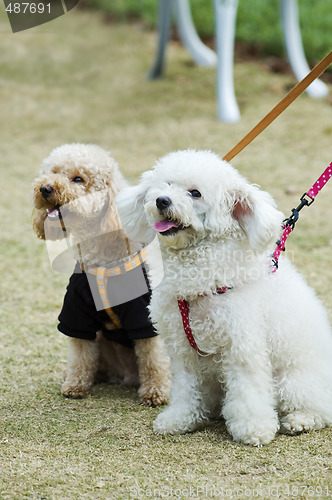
column 82, row 79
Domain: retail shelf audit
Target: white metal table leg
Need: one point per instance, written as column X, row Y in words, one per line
column 202, row 55
column 294, row 47
column 225, row 17
column 164, row 18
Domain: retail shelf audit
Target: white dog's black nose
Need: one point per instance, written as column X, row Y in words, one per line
column 46, row 191
column 163, row 202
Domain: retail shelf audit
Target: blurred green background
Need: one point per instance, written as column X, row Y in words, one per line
column 258, row 21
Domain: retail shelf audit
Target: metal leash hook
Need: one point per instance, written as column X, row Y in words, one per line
column 288, row 226
column 292, row 220
column 307, row 199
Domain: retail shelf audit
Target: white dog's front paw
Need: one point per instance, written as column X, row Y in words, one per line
column 255, row 433
column 172, row 422
column 299, row 421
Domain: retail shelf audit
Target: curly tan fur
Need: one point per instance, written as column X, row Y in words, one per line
column 90, row 210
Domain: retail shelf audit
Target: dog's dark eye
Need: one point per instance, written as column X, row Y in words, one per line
column 195, row 193
column 78, row 179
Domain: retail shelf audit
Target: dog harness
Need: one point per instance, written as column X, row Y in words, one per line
column 103, row 273
column 184, row 310
column 82, row 313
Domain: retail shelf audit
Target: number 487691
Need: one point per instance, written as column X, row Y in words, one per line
column 28, row 8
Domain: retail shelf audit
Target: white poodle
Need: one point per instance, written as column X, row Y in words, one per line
column 259, row 346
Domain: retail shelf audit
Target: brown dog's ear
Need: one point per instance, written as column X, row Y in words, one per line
column 115, row 181
column 110, row 221
column 38, row 221
column 46, row 230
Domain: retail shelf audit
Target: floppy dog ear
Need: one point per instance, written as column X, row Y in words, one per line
column 256, row 213
column 38, row 221
column 130, row 204
column 110, row 221
column 116, row 182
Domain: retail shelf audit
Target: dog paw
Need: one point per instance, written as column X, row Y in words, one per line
column 253, row 434
column 75, row 391
column 169, row 422
column 298, row 421
column 258, row 439
column 153, row 396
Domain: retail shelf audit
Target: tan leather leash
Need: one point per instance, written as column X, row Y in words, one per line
column 281, row 106
column 307, row 198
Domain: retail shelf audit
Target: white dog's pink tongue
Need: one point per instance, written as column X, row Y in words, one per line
column 164, row 225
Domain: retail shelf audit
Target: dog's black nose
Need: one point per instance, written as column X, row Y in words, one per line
column 163, row 202
column 46, row 191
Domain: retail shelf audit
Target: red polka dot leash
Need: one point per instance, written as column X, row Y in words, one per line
column 306, row 199
column 184, row 310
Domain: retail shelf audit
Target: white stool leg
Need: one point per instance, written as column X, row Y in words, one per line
column 164, row 19
column 202, row 55
column 225, row 17
column 293, row 42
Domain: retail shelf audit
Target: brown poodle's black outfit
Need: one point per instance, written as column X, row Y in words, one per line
column 85, row 310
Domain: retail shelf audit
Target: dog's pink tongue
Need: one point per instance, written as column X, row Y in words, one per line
column 164, row 225
column 53, row 212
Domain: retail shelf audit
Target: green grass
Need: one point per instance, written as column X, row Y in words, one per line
column 81, row 79
column 258, row 22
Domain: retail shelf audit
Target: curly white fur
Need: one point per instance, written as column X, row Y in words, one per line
column 268, row 343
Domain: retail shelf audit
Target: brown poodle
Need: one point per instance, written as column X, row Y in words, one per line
column 74, row 202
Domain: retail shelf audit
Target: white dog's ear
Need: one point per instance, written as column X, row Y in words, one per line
column 130, row 205
column 256, row 213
